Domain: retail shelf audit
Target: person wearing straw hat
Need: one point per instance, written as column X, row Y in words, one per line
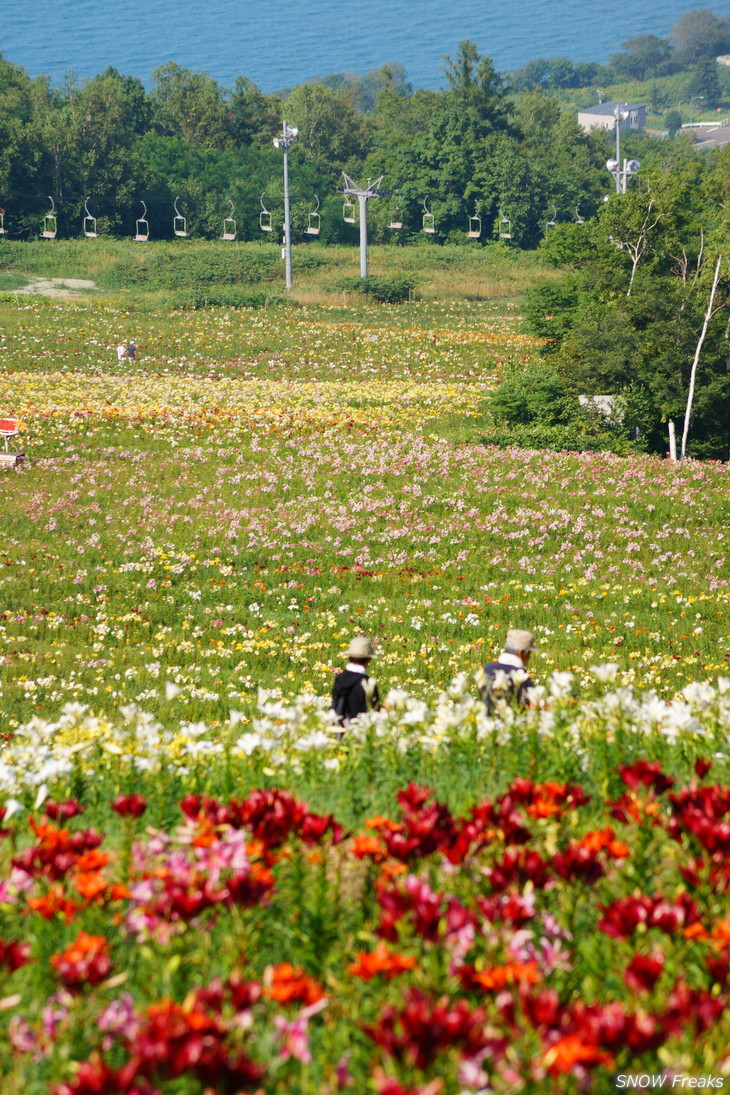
column 354, row 692
column 507, row 678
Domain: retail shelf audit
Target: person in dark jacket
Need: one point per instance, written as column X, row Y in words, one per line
column 354, row 692
column 507, row 677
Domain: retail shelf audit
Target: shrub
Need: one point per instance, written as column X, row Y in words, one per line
column 168, row 268
column 222, row 297
column 535, row 408
column 673, row 122
column 382, row 290
column 549, row 308
column 569, row 437
column 532, row 394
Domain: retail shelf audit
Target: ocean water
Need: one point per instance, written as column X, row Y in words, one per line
column 281, row 43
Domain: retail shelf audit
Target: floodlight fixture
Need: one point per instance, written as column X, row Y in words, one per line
column 621, row 170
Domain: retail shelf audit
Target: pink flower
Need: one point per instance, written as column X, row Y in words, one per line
column 293, row 1035
column 293, row 1038
column 343, row 1076
column 118, row 1018
column 22, row 1038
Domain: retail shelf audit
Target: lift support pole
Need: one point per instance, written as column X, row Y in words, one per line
column 363, row 193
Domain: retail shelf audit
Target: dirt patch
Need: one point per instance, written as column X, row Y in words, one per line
column 57, row 288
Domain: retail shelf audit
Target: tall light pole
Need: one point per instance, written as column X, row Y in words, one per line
column 288, row 136
column 621, row 171
column 363, row 193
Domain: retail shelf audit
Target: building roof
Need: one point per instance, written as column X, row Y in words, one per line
column 609, row 108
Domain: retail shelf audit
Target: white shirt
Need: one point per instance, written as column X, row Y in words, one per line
column 513, row 660
column 355, row 668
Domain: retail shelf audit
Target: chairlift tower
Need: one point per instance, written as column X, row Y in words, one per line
column 289, row 134
column 363, row 193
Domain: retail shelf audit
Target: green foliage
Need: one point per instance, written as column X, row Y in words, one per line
column 704, row 82
column 700, row 33
column 629, row 321
column 535, row 407
column 673, row 122
column 643, row 56
column 531, row 395
column 221, row 297
column 479, row 91
column 251, row 115
column 569, row 437
column 204, row 267
column 382, row 290
column 189, row 105
column 330, row 130
column 548, row 308
column 365, row 90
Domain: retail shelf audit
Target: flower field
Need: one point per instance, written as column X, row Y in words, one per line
column 202, row 889
column 516, row 934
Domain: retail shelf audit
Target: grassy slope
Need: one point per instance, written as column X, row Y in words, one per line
column 142, row 276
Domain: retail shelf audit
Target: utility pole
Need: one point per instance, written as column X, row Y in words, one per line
column 288, row 136
column 363, row 193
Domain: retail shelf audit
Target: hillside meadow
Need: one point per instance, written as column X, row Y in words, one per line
column 204, row 888
column 225, row 510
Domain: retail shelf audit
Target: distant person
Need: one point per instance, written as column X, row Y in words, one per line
column 131, row 351
column 354, row 692
column 507, row 677
column 121, row 351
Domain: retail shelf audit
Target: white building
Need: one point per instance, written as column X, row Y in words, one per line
column 603, row 116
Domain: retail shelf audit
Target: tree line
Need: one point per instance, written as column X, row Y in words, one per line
column 110, row 140
column 475, row 141
column 696, row 39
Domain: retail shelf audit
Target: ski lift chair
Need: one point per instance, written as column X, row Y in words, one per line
column 475, row 225
column 229, row 225
column 50, row 226
column 264, row 217
column 312, row 228
column 348, row 212
column 397, row 219
column 179, row 224
column 429, row 221
column 142, row 228
column 578, row 218
column 552, row 223
column 505, row 226
column 89, row 224
column 3, row 229
column 9, row 428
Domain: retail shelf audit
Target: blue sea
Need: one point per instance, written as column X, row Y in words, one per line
column 281, row 43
